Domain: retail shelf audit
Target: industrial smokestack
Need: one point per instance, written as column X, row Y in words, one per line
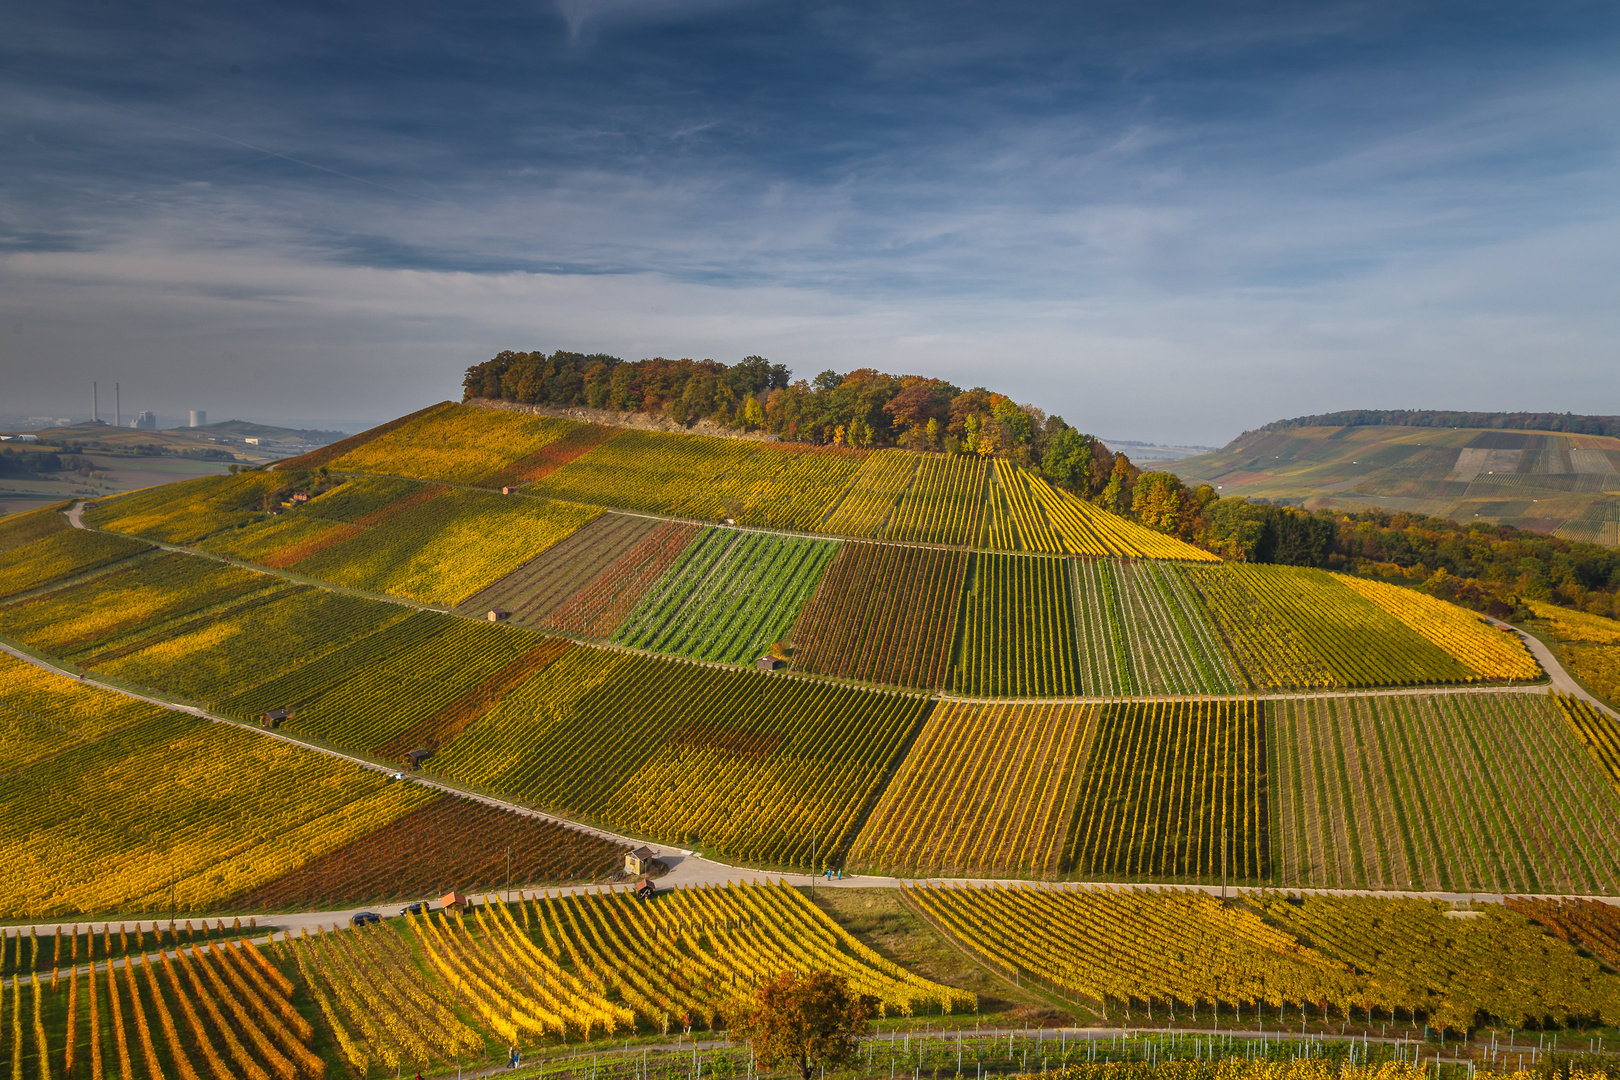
column 95, row 405
column 118, row 408
column 199, row 417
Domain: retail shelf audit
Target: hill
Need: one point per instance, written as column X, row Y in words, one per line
column 1545, row 481
column 756, row 656
column 244, row 429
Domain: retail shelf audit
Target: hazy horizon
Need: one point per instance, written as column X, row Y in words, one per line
column 1168, row 222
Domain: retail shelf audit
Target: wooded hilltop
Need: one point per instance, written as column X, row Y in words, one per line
column 1487, row 567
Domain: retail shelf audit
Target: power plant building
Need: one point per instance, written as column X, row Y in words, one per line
column 199, row 417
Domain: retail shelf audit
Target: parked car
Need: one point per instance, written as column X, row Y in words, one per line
column 416, row 908
column 361, row 918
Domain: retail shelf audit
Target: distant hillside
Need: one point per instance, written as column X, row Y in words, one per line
column 1555, row 482
column 1567, row 423
column 244, row 429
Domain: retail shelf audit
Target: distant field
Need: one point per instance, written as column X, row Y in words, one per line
column 1551, row 482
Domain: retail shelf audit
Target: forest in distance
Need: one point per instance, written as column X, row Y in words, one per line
column 1493, row 568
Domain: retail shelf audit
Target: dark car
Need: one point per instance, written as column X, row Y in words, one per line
column 361, row 918
column 414, row 909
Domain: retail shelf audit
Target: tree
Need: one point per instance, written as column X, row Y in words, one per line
column 1068, row 461
column 813, row 1021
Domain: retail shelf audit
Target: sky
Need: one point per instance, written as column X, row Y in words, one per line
column 1169, row 222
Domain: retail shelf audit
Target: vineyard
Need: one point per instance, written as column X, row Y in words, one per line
column 29, row 952
column 61, row 555
column 218, row 653
column 1134, row 952
column 1587, row 924
column 599, row 608
column 448, row 843
column 1296, row 628
column 729, row 596
column 942, row 505
column 1490, row 652
column 220, row 810
column 418, row 679
column 986, row 791
column 1140, row 631
column 42, row 713
column 1456, row 792
column 220, row 1011
column 883, row 613
column 1416, row 960
column 685, row 476
column 19, row 530
column 1597, row 730
column 753, row 767
column 538, row 972
column 1588, row 645
column 82, row 621
column 865, row 494
column 437, row 545
column 1174, row 790
column 537, row 588
column 188, row 510
column 457, row 444
column 871, row 496
column 1017, row 637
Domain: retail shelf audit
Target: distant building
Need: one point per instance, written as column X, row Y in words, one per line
column 300, row 496
column 769, row 663
column 274, row 717
column 199, row 417
column 252, row 440
column 146, row 421
column 498, row 615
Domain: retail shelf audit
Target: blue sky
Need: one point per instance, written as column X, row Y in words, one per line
column 1168, row 222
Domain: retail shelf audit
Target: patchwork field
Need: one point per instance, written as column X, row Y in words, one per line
column 1017, row 637
column 1565, row 484
column 537, row 588
column 729, row 596
column 883, row 613
column 1174, row 790
column 986, row 791
column 749, row 766
column 1469, row 792
column 1387, row 957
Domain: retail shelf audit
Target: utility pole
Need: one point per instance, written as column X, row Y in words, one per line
column 1225, row 847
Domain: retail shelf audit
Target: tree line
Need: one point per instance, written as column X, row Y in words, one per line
column 1490, row 568
column 1437, row 418
column 862, row 408
column 1487, row 567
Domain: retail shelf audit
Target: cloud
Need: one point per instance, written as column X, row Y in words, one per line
column 1165, row 224
column 583, row 14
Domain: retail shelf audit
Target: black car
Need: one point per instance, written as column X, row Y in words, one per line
column 361, row 918
column 414, row 909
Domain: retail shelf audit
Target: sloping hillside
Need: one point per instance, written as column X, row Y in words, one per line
column 1547, row 481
